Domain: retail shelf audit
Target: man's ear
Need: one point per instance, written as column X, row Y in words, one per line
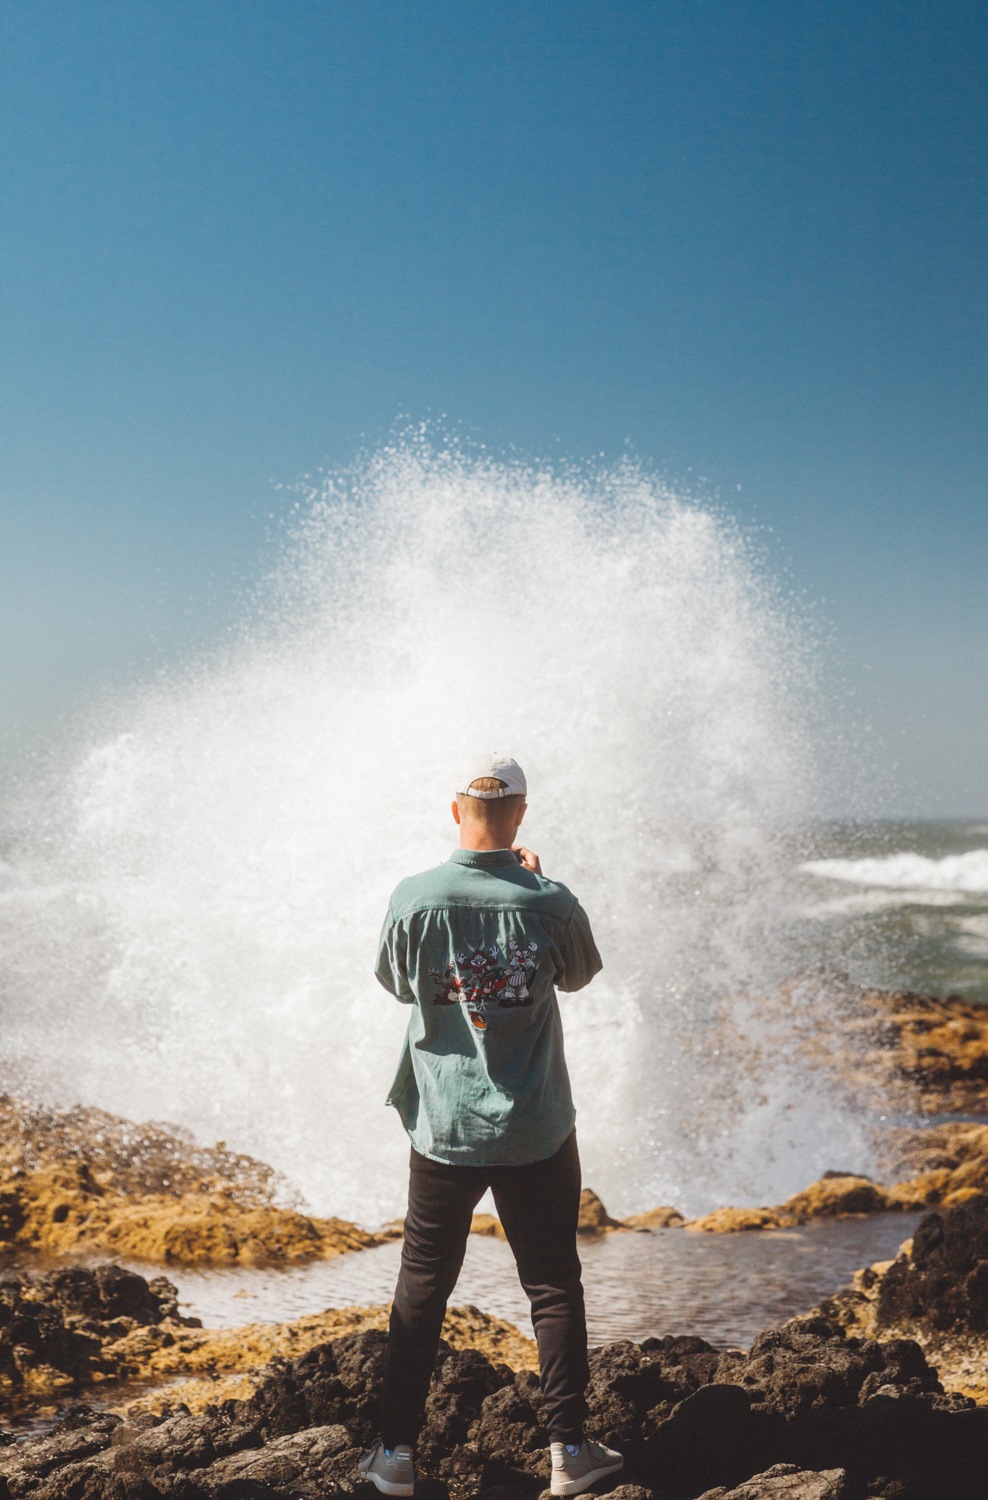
column 454, row 808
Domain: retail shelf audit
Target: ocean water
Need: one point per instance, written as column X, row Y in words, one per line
column 722, row 1287
column 902, row 904
column 192, row 888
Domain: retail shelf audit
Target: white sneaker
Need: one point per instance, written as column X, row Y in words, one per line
column 390, row 1469
column 575, row 1469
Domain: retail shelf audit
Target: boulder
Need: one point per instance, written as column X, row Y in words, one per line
column 733, row 1220
column 305, row 1465
column 487, row 1224
column 942, row 1282
column 838, row 1195
column 787, row 1482
column 594, row 1218
column 663, row 1217
column 55, row 1329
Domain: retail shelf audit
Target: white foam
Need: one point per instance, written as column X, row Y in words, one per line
column 912, row 872
column 220, row 856
column 872, row 901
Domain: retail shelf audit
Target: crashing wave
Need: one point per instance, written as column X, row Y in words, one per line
column 910, row 872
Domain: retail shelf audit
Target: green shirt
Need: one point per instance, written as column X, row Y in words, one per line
column 479, row 946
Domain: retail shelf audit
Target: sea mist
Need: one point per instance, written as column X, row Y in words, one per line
column 192, row 917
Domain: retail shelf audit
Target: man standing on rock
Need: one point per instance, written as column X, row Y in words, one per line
column 478, row 947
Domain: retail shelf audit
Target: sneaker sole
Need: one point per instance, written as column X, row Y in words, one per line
column 577, row 1486
column 389, row 1486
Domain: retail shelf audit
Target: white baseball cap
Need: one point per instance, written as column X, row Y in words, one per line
column 502, row 767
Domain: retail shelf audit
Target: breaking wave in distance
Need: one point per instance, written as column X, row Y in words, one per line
column 910, row 872
column 191, row 917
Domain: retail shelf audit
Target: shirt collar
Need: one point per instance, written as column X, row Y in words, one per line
column 483, row 859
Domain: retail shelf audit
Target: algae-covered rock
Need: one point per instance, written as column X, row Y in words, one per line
column 594, row 1218
column 86, row 1182
column 929, row 1049
column 661, row 1217
column 835, row 1195
column 487, row 1224
column 838, row 1195
column 734, row 1220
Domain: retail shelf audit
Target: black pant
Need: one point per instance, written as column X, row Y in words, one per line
column 538, row 1205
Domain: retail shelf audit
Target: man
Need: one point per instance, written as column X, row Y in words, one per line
column 478, row 947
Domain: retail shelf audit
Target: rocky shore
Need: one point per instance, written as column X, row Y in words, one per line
column 108, row 1393
column 928, row 1052
column 83, row 1182
column 935, row 1292
column 811, row 1411
column 107, row 1330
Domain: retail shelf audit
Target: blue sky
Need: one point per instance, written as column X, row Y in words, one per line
column 746, row 241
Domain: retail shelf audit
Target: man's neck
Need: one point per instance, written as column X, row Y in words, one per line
column 482, row 841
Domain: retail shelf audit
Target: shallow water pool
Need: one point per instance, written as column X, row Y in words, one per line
column 723, row 1287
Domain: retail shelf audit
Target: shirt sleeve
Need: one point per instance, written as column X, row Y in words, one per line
column 392, row 952
column 581, row 961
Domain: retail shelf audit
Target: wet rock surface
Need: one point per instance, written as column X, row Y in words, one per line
column 132, row 1159
column 84, row 1181
column 804, row 1402
column 951, row 1167
column 945, row 1164
column 934, row 1048
column 869, row 1397
column 942, row 1281
column 82, row 1327
column 935, row 1291
column 55, row 1329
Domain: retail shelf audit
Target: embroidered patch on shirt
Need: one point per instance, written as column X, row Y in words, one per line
column 480, row 976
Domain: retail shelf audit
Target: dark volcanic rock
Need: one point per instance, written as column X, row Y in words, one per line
column 935, row 1291
column 688, row 1418
column 943, row 1281
column 629, row 1492
column 786, row 1482
column 55, row 1326
column 302, row 1466
column 809, row 1364
column 461, row 1383
column 107, row 1292
column 634, row 1387
column 508, row 1439
column 83, row 1432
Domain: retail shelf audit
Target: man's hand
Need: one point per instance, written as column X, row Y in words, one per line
column 527, row 858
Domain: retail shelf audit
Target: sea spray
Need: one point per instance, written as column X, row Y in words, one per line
column 193, row 920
